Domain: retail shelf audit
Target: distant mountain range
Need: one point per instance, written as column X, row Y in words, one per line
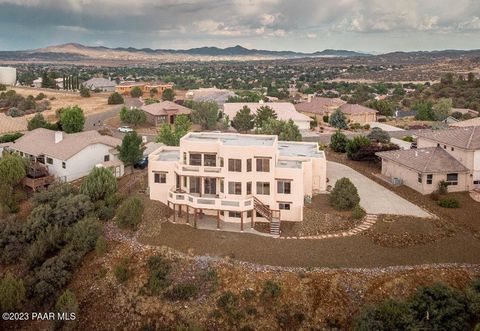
column 78, row 52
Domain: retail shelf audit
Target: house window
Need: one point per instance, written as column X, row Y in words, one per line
column 194, row 184
column 235, row 188
column 476, row 182
column 184, row 181
column 210, row 160
column 249, row 165
column 452, row 179
column 284, row 187
column 210, row 185
column 160, row 178
column 249, row 213
column 221, row 162
column 263, row 165
column 184, row 157
column 106, row 158
column 235, row 214
column 452, row 149
column 49, row 160
column 64, row 165
column 438, row 144
column 196, row 159
column 222, row 184
column 235, row 165
column 284, row 206
column 444, row 146
column 429, row 179
column 249, row 187
column 263, row 188
column 419, row 178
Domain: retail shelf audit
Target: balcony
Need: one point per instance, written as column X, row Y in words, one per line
column 186, row 170
column 209, row 201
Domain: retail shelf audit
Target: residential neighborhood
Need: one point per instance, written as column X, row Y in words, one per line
column 255, row 165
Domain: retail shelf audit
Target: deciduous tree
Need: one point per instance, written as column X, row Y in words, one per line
column 72, row 119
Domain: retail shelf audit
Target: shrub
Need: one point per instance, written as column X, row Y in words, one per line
column 354, row 145
column 449, row 203
column 158, row 269
column 338, row 142
column 338, row 120
column 442, row 187
column 84, row 92
column 12, row 293
column 344, row 195
column 66, row 303
column 389, row 315
column 325, row 118
column 132, row 116
column 408, row 139
column 99, row 184
column 290, row 320
column 227, row 301
column 182, row 291
column 37, row 121
column 355, row 126
column 271, row 289
column 136, row 92
column 358, row 212
column 130, row 213
column 115, row 99
column 379, row 135
column 101, row 245
column 84, row 234
column 438, row 307
column 248, row 294
column 10, row 137
column 121, row 271
column 40, row 96
column 3, row 87
column 72, row 119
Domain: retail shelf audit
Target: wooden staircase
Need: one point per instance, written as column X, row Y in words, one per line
column 273, row 216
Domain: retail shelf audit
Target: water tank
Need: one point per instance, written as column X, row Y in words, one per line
column 8, row 75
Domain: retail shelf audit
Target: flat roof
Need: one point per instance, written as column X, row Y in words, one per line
column 232, row 139
column 299, row 149
column 168, row 155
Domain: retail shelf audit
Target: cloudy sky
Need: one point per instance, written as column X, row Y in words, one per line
column 300, row 25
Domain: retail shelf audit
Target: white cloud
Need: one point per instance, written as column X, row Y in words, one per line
column 311, row 35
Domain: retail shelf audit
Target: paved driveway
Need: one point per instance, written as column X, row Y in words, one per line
column 374, row 198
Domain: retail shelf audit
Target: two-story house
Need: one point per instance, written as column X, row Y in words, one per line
column 237, row 178
column 69, row 156
column 451, row 155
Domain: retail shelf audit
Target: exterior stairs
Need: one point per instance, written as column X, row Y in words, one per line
column 273, row 216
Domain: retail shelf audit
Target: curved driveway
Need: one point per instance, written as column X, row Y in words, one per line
column 374, row 198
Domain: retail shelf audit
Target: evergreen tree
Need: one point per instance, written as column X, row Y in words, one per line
column 263, row 114
column 243, row 120
column 131, row 150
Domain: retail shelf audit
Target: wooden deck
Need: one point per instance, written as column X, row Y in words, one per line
column 35, row 183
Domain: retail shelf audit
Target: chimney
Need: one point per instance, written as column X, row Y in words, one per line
column 58, row 136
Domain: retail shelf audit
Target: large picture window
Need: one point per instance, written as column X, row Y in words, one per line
column 235, row 188
column 284, row 187
column 160, row 177
column 263, row 165
column 196, row 159
column 263, row 188
column 210, row 160
column 235, row 165
column 452, row 179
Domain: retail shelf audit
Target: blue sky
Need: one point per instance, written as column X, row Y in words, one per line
column 300, row 25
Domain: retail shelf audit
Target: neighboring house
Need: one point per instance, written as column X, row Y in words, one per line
column 284, row 110
column 319, row 106
column 100, row 84
column 451, row 155
column 237, row 178
column 37, row 83
column 463, row 124
column 164, row 112
column 69, row 156
column 214, row 94
column 126, row 87
column 465, row 111
column 358, row 113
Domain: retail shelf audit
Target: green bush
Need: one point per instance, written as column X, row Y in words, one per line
column 379, row 135
column 115, row 99
column 10, row 137
column 442, row 187
column 122, row 271
column 101, row 245
column 130, row 213
column 228, row 301
column 358, row 212
column 449, row 203
column 84, row 92
column 248, row 294
column 355, row 144
column 344, row 195
column 12, row 293
column 271, row 289
column 389, row 315
column 159, row 270
column 136, row 92
column 338, row 142
column 325, row 118
column 182, row 291
column 338, row 119
column 438, row 307
column 99, row 184
column 67, row 304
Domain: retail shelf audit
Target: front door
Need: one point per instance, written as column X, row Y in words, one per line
column 172, row 119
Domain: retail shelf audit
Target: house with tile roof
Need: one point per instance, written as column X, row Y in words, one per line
column 100, row 84
column 164, row 112
column 463, row 124
column 452, row 155
column 69, row 156
column 284, row 110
